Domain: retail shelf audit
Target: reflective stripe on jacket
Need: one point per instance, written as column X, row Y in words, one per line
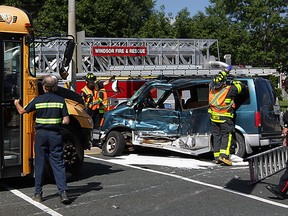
column 48, row 105
column 104, row 104
column 92, row 99
column 220, row 105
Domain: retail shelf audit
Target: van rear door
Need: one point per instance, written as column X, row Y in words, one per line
column 270, row 113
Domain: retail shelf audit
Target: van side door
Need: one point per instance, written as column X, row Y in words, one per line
column 195, row 119
column 157, row 115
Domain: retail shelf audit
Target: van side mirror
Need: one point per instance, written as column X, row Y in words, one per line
column 68, row 53
column 67, row 59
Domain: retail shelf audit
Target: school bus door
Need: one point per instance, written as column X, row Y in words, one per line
column 11, row 57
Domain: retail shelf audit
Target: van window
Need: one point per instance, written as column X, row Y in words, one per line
column 159, row 97
column 264, row 93
column 198, row 96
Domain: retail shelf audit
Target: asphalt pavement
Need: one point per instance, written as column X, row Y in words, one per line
column 122, row 186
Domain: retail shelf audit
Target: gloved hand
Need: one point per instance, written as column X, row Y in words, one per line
column 236, row 82
column 112, row 78
column 228, row 69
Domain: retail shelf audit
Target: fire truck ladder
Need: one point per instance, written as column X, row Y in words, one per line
column 160, row 52
column 182, row 57
column 267, row 163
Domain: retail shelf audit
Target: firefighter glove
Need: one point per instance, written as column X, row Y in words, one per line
column 228, row 69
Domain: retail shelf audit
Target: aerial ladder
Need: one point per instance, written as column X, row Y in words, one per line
column 160, row 57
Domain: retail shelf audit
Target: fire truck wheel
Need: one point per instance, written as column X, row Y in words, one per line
column 240, row 149
column 114, row 144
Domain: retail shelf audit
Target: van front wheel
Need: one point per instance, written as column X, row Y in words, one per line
column 114, row 144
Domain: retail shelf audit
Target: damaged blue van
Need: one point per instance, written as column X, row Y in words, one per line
column 172, row 114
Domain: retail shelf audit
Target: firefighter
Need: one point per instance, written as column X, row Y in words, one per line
column 280, row 190
column 221, row 109
column 95, row 97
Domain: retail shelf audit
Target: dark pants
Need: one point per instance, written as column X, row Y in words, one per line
column 48, row 146
column 96, row 117
column 283, row 183
column 222, row 137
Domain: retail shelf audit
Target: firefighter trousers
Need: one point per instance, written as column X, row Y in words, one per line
column 222, row 137
column 96, row 117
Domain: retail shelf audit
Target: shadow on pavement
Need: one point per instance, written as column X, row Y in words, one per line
column 239, row 185
column 95, row 169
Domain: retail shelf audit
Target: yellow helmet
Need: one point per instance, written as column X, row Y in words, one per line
column 219, row 80
column 90, row 77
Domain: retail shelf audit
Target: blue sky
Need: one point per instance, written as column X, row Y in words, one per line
column 175, row 6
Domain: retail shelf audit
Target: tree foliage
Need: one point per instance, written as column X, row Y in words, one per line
column 112, row 18
column 254, row 32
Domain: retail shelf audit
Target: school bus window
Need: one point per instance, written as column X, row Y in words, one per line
column 12, row 68
column 32, row 60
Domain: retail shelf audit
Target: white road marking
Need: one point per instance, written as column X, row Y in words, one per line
column 121, row 162
column 30, row 200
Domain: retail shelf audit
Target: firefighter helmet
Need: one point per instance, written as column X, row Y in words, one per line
column 90, row 77
column 219, row 80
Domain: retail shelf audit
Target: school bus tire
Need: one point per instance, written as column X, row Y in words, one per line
column 114, row 144
column 73, row 154
column 73, row 157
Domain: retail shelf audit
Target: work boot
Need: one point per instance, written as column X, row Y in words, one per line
column 216, row 160
column 276, row 191
column 64, row 198
column 225, row 161
column 38, row 198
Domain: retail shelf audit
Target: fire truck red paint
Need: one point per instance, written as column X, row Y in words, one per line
column 126, row 87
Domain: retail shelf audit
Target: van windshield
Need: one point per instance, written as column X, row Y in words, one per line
column 136, row 95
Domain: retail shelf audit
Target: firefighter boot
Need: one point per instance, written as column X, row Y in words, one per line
column 276, row 191
column 225, row 161
column 216, row 160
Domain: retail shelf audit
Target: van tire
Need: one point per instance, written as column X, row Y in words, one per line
column 240, row 149
column 114, row 144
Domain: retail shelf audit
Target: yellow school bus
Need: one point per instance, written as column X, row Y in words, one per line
column 18, row 80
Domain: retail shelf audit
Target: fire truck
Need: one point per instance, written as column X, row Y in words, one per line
column 135, row 60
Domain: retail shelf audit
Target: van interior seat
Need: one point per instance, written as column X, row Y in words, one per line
column 193, row 104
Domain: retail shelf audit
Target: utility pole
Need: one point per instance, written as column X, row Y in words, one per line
column 72, row 31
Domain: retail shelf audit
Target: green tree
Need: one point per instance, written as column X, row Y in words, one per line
column 112, row 18
column 260, row 23
column 52, row 18
column 183, row 24
column 255, row 32
column 157, row 26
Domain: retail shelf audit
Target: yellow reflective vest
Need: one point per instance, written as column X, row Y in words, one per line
column 219, row 105
column 92, row 99
column 104, row 104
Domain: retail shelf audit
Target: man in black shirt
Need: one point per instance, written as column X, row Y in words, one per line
column 51, row 113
